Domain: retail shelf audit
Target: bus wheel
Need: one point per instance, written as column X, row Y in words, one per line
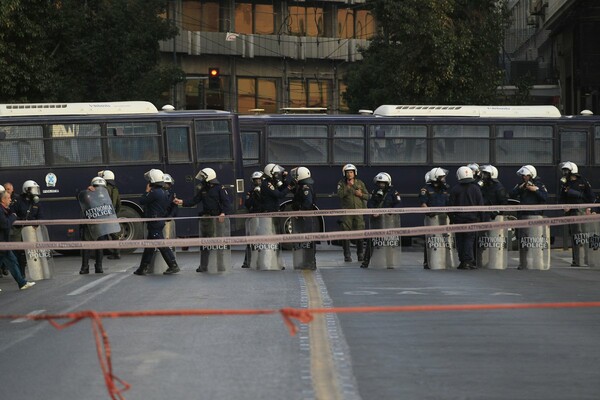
column 130, row 230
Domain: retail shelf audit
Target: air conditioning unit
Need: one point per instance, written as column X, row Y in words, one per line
column 536, row 7
column 532, row 21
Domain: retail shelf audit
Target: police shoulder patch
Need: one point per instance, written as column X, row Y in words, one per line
column 423, row 192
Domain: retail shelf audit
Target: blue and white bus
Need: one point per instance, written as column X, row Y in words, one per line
column 407, row 141
column 62, row 147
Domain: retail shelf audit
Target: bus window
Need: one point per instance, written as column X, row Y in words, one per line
column 297, row 144
column 178, row 144
column 573, row 147
column 21, row 146
column 76, row 144
column 348, row 144
column 461, row 144
column 398, row 144
column 133, row 142
column 518, row 144
column 250, row 144
column 597, row 144
column 213, row 140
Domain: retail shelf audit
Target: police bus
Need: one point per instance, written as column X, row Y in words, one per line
column 62, row 147
column 407, row 141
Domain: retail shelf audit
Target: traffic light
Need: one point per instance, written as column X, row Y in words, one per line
column 214, row 78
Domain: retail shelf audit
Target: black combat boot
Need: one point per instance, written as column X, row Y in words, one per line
column 85, row 269
column 98, row 267
column 142, row 269
column 173, row 268
column 346, row 246
column 360, row 250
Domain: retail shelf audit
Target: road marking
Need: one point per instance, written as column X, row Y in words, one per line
column 324, row 377
column 91, row 285
column 360, row 293
column 505, row 294
column 34, row 312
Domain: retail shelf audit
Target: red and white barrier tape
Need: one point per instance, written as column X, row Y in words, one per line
column 220, row 242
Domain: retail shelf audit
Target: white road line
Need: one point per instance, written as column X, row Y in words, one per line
column 91, row 285
column 19, row 320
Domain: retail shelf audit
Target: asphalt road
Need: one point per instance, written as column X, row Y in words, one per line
column 484, row 354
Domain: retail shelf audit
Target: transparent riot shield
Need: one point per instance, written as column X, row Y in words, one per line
column 40, row 264
column 579, row 240
column 215, row 258
column 592, row 248
column 264, row 256
column 441, row 247
column 386, row 251
column 158, row 264
column 304, row 253
column 534, row 246
column 98, row 205
column 492, row 248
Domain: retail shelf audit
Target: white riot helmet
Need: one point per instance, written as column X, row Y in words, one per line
column 2, row 190
column 527, row 170
column 464, row 174
column 107, row 175
column 31, row 187
column 154, row 176
column 427, row 177
column 349, row 167
column 257, row 175
column 569, row 166
column 474, row 167
column 269, row 169
column 490, row 169
column 98, row 181
column 300, row 173
column 168, row 179
column 437, row 173
column 207, row 175
column 383, row 177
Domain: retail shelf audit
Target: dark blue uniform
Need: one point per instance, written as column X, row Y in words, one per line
column 304, row 199
column 156, row 204
column 528, row 197
column 272, row 195
column 575, row 190
column 26, row 210
column 212, row 200
column 465, row 194
column 434, row 195
column 253, row 204
column 380, row 198
column 494, row 194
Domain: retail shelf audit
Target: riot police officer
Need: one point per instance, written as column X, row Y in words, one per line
column 273, row 188
column 113, row 192
column 212, row 200
column 383, row 195
column 86, row 234
column 168, row 185
column 26, row 206
column 156, row 205
column 353, row 194
column 492, row 190
column 465, row 193
column 304, row 199
column 575, row 189
column 530, row 191
column 434, row 194
column 253, row 204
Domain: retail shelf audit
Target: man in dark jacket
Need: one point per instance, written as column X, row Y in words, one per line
column 465, row 193
column 7, row 257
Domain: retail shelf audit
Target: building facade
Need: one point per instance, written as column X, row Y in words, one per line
column 555, row 44
column 269, row 54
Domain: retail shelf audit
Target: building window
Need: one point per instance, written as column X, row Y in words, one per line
column 309, row 93
column 365, row 25
column 200, row 16
column 257, row 93
column 253, row 18
column 342, row 100
column 345, row 23
column 305, row 21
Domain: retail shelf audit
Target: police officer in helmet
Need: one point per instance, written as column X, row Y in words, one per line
column 253, row 204
column 212, row 200
column 115, row 197
column 156, row 204
column 304, row 199
column 26, row 206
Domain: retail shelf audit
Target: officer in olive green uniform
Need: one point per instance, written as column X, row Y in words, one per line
column 353, row 194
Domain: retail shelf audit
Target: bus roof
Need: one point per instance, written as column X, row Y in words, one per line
column 468, row 111
column 106, row 108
